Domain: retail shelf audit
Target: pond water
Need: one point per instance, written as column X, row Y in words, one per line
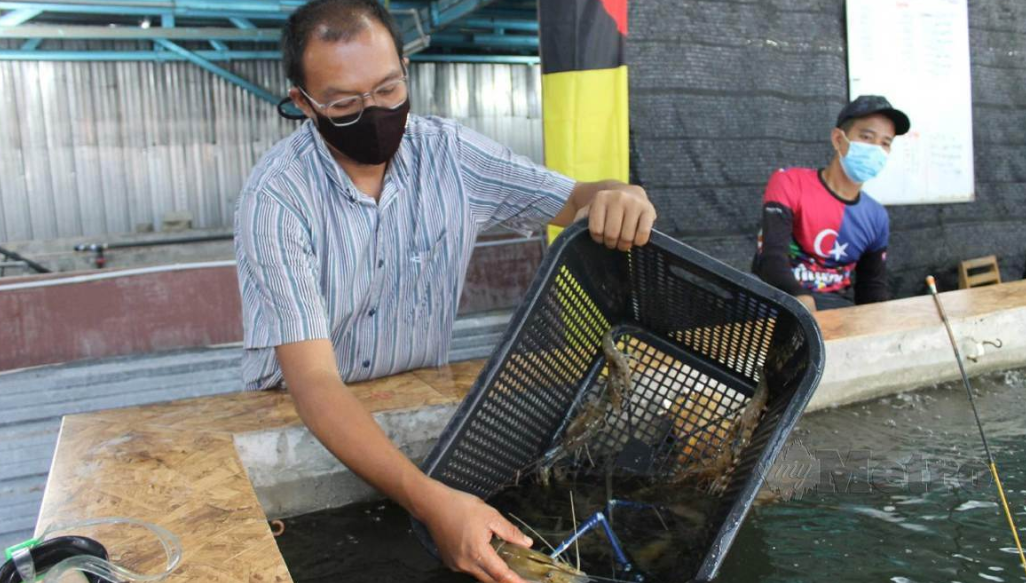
column 893, row 490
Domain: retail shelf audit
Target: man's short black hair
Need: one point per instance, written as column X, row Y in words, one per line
column 331, row 21
column 847, row 124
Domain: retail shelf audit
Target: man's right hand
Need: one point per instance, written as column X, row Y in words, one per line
column 462, row 526
column 809, row 301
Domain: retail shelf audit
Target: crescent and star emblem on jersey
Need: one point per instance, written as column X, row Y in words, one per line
column 838, row 250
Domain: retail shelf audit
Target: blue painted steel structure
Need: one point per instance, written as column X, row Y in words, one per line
column 219, row 71
column 434, row 15
column 222, row 55
column 16, row 17
column 484, row 31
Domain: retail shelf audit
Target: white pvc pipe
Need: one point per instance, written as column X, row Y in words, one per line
column 114, row 274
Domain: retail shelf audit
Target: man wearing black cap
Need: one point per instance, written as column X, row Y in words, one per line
column 819, row 228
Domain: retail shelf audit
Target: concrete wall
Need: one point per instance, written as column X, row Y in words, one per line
column 723, row 93
column 293, row 474
column 194, row 307
column 121, row 315
column 865, row 367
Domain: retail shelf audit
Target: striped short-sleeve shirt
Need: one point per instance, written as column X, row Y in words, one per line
column 318, row 259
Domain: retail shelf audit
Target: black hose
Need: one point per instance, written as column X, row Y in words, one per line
column 154, row 243
column 48, row 553
column 14, row 256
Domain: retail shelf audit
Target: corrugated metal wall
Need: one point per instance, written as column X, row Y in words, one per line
column 89, row 148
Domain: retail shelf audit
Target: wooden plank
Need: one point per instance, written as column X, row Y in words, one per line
column 980, row 262
column 991, row 276
column 984, row 279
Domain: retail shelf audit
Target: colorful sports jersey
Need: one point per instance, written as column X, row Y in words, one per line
column 826, row 236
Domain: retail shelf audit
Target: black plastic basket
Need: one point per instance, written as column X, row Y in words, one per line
column 701, row 329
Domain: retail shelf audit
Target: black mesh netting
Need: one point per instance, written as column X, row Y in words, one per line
column 724, row 93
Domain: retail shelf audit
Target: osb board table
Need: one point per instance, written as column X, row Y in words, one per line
column 175, row 464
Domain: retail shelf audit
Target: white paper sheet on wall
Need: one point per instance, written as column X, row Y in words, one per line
column 916, row 53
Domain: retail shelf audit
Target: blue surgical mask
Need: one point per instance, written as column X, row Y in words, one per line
column 863, row 161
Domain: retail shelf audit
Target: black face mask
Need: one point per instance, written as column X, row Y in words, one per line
column 374, row 139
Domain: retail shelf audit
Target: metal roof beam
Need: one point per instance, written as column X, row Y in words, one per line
column 433, row 17
column 446, row 12
column 17, row 17
column 506, row 13
column 65, row 8
column 441, row 13
column 160, row 56
column 268, row 6
column 276, row 10
column 499, row 24
column 490, row 59
column 168, row 56
column 137, row 33
column 219, row 71
column 242, row 23
column 482, row 41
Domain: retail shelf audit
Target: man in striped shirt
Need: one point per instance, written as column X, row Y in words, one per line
column 353, row 237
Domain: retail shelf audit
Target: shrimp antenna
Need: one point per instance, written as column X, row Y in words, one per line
column 573, row 516
column 533, row 531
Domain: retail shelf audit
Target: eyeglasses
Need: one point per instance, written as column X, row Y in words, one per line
column 348, row 110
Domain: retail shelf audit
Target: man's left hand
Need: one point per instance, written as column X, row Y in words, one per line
column 619, row 217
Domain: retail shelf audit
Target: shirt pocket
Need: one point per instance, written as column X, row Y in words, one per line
column 429, row 270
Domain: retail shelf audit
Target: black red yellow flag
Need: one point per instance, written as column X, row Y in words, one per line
column 584, row 87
